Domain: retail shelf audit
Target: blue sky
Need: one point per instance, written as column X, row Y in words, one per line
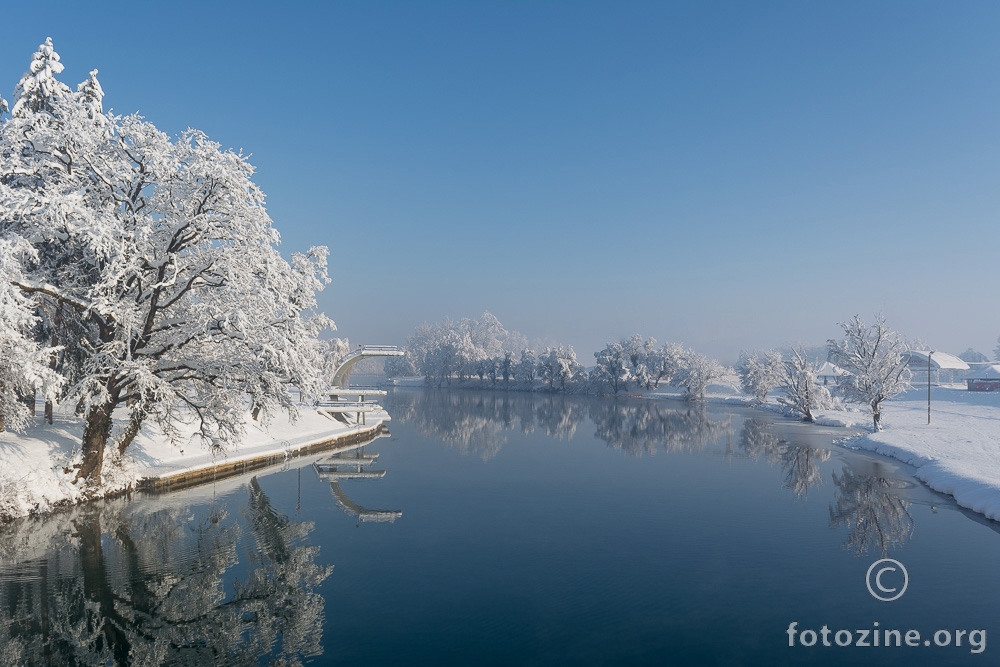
column 727, row 175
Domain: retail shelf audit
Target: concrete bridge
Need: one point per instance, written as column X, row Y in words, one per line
column 343, row 372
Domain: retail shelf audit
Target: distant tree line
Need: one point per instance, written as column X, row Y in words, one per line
column 873, row 359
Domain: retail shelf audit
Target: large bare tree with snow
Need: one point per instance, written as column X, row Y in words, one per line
column 798, row 383
column 875, row 357
column 154, row 267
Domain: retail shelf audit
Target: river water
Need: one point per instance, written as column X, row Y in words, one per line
column 518, row 529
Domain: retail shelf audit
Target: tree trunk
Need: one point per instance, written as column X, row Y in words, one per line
column 132, row 430
column 48, row 411
column 29, row 400
column 95, row 437
column 877, row 416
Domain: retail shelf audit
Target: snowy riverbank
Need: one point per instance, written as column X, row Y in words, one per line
column 32, row 477
column 957, row 454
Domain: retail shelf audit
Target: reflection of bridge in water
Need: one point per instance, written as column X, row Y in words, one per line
column 337, row 468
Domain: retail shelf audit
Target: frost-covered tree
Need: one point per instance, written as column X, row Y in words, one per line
column 973, row 356
column 446, row 350
column 397, row 367
column 506, row 366
column 642, row 358
column 24, row 364
column 875, row 359
column 527, row 367
column 996, row 350
column 802, row 393
column 665, row 363
column 558, row 366
column 38, row 89
column 612, row 367
column 91, row 95
column 759, row 372
column 696, row 372
column 155, row 265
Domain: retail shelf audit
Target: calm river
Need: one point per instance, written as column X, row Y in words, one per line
column 519, row 529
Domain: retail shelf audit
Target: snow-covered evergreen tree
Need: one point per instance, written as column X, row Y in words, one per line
column 91, row 95
column 155, row 266
column 38, row 89
column 875, row 359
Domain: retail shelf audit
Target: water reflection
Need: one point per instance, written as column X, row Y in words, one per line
column 110, row 584
column 478, row 422
column 870, row 507
column 351, row 465
column 643, row 427
column 800, row 463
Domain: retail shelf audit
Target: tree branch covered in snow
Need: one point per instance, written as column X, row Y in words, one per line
column 153, row 267
column 875, row 358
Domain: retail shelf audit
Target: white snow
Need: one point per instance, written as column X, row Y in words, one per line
column 958, row 453
column 33, row 479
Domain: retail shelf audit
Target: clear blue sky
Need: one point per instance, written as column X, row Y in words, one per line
column 726, row 175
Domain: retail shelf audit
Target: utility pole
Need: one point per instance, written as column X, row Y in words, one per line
column 929, row 386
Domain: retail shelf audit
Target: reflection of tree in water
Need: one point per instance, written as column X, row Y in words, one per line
column 800, row 463
column 152, row 589
column 478, row 421
column 876, row 516
column 642, row 427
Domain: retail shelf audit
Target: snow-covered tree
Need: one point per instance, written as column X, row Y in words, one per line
column 91, row 95
column 527, row 367
column 696, row 372
column 759, row 372
column 506, row 366
column 973, row 356
column 875, row 359
column 996, row 350
column 642, row 358
column 397, row 367
column 443, row 351
column 558, row 366
column 802, row 392
column 155, row 265
column 24, row 364
column 612, row 367
column 665, row 363
column 38, row 89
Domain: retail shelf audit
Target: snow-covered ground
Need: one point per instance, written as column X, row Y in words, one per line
column 958, row 453
column 32, row 464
